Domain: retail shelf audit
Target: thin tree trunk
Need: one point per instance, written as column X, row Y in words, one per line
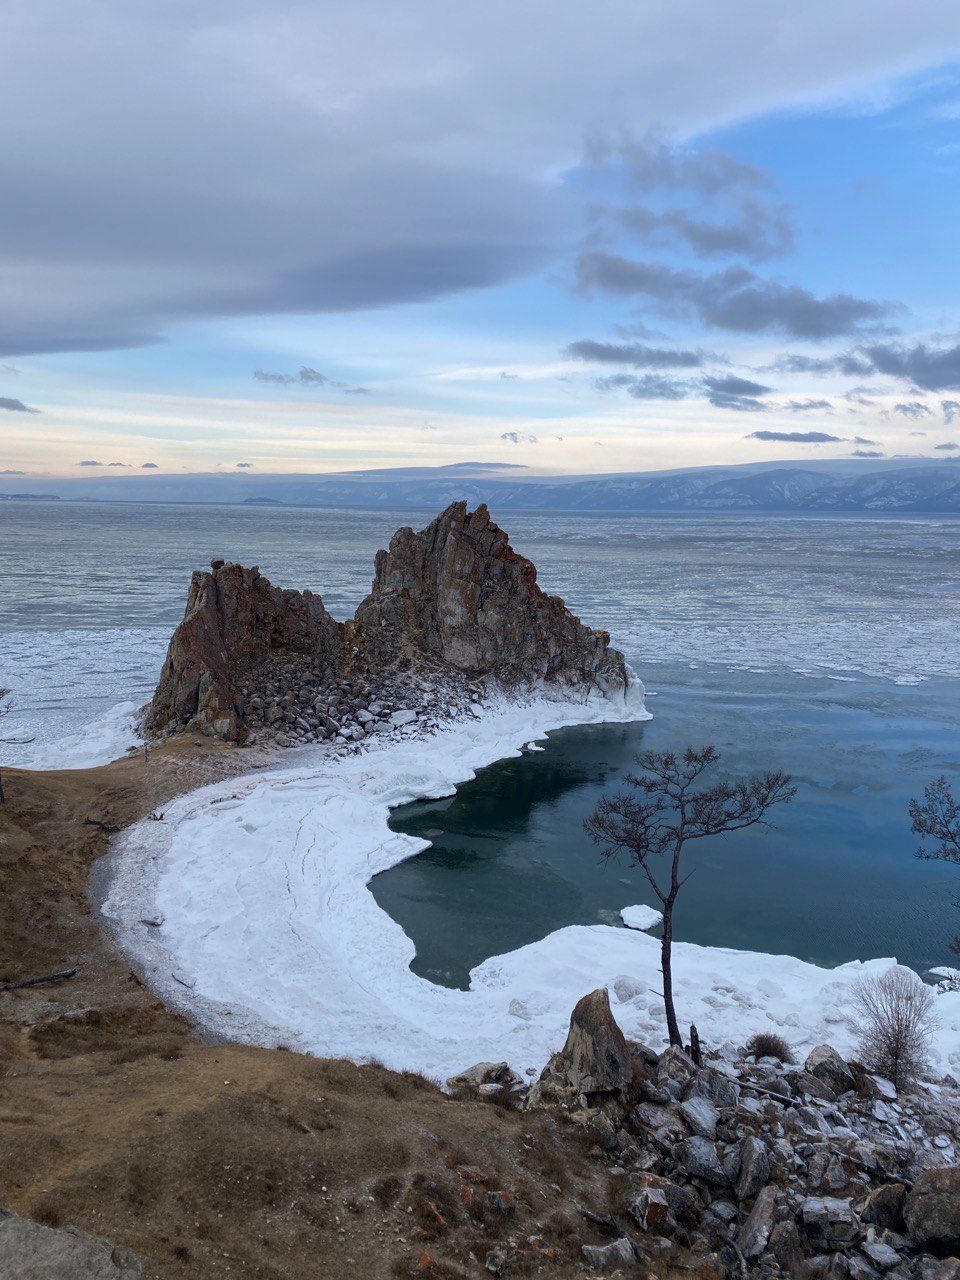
column 673, row 1028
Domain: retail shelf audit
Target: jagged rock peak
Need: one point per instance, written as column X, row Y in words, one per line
column 235, row 620
column 448, row 605
column 458, row 590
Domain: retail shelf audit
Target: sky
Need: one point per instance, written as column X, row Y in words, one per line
column 583, row 238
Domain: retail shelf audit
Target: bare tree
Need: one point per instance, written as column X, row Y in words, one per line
column 896, row 1023
column 653, row 824
column 936, row 820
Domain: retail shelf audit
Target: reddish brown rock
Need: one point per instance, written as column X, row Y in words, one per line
column 453, row 598
column 458, row 590
column 234, row 620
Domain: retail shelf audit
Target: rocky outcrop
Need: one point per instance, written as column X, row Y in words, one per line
column 458, row 590
column 31, row 1251
column 235, row 622
column 450, row 606
column 734, row 1168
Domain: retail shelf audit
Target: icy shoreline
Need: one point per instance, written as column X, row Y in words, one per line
column 271, row 935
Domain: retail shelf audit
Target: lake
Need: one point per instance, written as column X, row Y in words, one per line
column 827, row 647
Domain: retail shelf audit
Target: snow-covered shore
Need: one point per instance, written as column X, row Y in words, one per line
column 270, row 934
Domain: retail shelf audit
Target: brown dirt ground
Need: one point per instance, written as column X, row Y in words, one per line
column 224, row 1160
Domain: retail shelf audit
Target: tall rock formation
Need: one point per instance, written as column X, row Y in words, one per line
column 458, row 590
column 450, row 604
column 234, row 623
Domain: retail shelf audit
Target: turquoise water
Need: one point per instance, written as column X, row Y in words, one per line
column 835, row 879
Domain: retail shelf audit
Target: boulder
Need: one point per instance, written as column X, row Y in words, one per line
column 595, row 1058
column 932, row 1210
column 682, row 1202
column 699, row 1159
column 885, row 1206
column 486, row 1073
column 754, row 1167
column 606, row 1257
column 674, row 1064
column 880, row 1254
column 31, row 1251
column 829, row 1221
column 723, row 1092
column 755, row 1232
column 701, row 1115
column 826, row 1064
column 651, row 1211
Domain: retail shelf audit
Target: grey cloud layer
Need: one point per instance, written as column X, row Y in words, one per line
column 758, row 233
column 795, row 437
column 180, row 161
column 735, row 299
column 637, row 355
column 15, row 406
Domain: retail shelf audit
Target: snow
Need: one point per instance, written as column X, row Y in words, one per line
column 107, row 737
column 640, row 917
column 271, row 935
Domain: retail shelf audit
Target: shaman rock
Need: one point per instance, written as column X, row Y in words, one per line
column 458, row 590
column 449, row 604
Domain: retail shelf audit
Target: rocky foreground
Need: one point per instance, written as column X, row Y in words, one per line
column 453, row 612
column 729, row 1168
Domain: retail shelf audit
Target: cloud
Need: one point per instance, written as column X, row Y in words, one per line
column 950, row 410
column 847, row 363
column 758, row 233
column 15, row 406
column 10, row 472
column 948, row 447
column 149, row 466
column 931, row 369
column 735, row 299
column 90, row 462
column 809, row 406
column 636, row 354
column 307, row 166
column 519, row 437
column 913, row 409
column 655, row 162
column 863, row 440
column 867, row 453
column 118, row 464
column 244, row 466
column 9, row 371
column 508, row 377
column 307, row 377
column 650, row 386
column 795, row 437
column 918, row 433
column 731, row 392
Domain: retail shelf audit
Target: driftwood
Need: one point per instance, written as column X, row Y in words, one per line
column 36, row 982
column 104, row 826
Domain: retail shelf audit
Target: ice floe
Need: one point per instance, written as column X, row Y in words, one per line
column 270, row 933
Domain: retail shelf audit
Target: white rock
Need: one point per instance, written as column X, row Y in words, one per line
column 402, row 717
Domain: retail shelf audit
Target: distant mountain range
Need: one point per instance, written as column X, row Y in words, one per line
column 906, row 485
